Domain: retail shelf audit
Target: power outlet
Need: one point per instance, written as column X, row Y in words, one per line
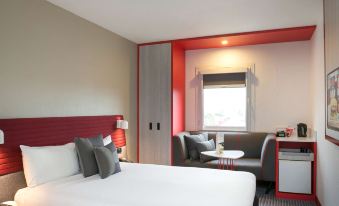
column 119, row 150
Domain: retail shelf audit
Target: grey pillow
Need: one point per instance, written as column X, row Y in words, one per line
column 200, row 132
column 206, row 146
column 114, row 151
column 84, row 147
column 105, row 161
column 191, row 143
column 97, row 141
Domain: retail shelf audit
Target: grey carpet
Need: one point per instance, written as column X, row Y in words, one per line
column 270, row 200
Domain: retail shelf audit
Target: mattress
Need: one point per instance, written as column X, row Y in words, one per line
column 146, row 185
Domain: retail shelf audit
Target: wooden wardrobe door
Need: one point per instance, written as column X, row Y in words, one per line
column 147, row 103
column 154, row 90
column 164, row 113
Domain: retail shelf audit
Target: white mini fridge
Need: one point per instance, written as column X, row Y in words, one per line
column 295, row 172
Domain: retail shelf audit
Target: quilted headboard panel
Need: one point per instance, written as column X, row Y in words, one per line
column 50, row 131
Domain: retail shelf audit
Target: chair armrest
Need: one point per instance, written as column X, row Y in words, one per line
column 179, row 149
column 268, row 158
column 125, row 160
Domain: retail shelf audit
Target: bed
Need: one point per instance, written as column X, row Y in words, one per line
column 146, row 185
column 136, row 185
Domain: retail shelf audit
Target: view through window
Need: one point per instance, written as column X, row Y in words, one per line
column 224, row 108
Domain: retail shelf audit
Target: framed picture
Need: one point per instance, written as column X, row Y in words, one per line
column 332, row 106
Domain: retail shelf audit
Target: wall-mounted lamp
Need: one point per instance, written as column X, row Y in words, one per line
column 2, row 137
column 122, row 124
column 121, row 140
column 224, row 42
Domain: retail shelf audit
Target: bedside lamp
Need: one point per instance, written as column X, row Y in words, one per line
column 120, row 140
column 2, row 137
column 122, row 124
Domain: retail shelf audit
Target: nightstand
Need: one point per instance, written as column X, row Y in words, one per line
column 8, row 203
column 125, row 160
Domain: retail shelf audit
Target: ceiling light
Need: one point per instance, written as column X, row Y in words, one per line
column 224, row 42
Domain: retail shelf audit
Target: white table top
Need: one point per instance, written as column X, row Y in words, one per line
column 311, row 137
column 227, row 154
column 295, row 138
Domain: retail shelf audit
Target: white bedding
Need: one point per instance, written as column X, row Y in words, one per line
column 146, row 185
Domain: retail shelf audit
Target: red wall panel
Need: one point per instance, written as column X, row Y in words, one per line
column 178, row 89
column 51, row 131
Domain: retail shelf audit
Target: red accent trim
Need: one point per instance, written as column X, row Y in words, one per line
column 178, row 91
column 157, row 42
column 287, row 195
column 245, row 38
column 313, row 147
column 333, row 140
column 251, row 38
column 51, row 131
column 276, row 166
column 317, row 202
column 178, row 88
column 314, row 169
column 172, row 99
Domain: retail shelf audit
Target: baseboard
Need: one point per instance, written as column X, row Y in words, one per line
column 317, row 202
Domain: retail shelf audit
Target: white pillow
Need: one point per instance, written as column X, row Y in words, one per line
column 107, row 140
column 44, row 164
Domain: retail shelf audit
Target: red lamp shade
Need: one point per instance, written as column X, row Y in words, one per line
column 118, row 136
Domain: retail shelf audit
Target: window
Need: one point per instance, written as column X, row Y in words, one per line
column 224, row 101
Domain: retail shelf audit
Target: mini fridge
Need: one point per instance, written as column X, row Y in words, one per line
column 295, row 171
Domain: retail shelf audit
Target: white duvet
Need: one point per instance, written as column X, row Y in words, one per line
column 146, row 185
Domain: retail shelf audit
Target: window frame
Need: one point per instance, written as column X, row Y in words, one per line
column 225, row 128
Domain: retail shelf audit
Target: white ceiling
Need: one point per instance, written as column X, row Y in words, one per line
column 153, row 20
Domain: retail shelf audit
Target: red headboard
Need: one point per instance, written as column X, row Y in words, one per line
column 50, row 131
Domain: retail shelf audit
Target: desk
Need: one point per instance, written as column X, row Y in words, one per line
column 295, row 142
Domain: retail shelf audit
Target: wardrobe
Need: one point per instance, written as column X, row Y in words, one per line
column 161, row 88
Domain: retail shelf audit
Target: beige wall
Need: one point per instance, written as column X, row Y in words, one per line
column 328, row 153
column 53, row 63
column 282, row 88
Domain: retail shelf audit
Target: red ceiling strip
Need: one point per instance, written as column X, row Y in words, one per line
column 302, row 33
column 51, row 131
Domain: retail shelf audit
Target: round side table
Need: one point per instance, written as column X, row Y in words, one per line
column 226, row 158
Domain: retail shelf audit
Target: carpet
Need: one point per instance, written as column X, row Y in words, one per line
column 270, row 200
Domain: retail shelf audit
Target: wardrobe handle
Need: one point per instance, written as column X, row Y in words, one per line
column 158, row 126
column 150, row 126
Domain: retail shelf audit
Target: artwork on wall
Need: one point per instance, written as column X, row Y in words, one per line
column 331, row 34
column 332, row 105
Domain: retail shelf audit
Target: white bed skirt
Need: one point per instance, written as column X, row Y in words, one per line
column 146, row 185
